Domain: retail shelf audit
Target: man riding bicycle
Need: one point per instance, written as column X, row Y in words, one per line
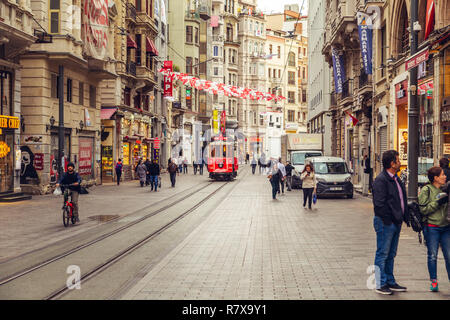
column 73, row 179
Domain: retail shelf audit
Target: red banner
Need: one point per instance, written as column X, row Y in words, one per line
column 167, row 79
column 85, row 164
column 417, row 59
column 156, row 143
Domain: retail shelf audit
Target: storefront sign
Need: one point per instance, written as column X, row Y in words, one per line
column 446, row 148
column 7, row 122
column 417, row 59
column 338, row 70
column 403, row 146
column 126, row 153
column 95, row 28
column 39, row 161
column 4, row 149
column 156, row 143
column 400, row 93
column 85, row 157
column 168, row 80
column 426, row 88
column 156, row 155
column 215, row 121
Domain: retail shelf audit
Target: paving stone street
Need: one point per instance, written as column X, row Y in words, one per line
column 246, row 246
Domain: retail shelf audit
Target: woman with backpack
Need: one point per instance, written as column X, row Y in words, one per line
column 309, row 184
column 433, row 207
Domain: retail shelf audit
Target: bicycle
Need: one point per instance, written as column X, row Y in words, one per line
column 68, row 206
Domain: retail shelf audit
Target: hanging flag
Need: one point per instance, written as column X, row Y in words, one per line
column 429, row 22
column 338, row 70
column 167, row 79
column 354, row 120
column 214, row 21
column 365, row 39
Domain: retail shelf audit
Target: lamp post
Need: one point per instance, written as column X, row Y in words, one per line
column 61, row 121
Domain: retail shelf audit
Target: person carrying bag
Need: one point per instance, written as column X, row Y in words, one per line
column 309, row 184
column 433, row 204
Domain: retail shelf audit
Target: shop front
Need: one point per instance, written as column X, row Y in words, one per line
column 401, row 102
column 7, row 152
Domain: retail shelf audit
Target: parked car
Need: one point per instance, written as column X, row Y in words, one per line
column 333, row 176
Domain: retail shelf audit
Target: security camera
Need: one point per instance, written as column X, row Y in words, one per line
column 416, row 26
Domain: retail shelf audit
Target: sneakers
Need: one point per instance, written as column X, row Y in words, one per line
column 396, row 287
column 434, row 287
column 384, row 290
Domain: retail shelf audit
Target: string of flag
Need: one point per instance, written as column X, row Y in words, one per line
column 220, row 88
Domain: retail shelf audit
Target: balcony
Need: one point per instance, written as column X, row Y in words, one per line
column 142, row 72
column 131, row 12
column 131, row 68
column 204, row 11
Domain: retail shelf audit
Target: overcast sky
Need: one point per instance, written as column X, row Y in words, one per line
column 277, row 6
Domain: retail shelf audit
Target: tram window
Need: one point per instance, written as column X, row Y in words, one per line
column 224, row 151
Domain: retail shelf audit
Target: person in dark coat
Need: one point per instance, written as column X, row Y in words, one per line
column 289, row 169
column 443, row 163
column 253, row 164
column 200, row 165
column 72, row 178
column 147, row 164
column 391, row 209
column 195, row 165
column 119, row 167
column 173, row 171
column 154, row 175
column 274, row 178
column 141, row 172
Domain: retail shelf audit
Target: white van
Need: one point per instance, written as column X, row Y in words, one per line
column 333, row 176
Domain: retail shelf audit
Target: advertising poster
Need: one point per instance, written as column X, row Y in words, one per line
column 85, row 157
column 403, row 146
column 39, row 161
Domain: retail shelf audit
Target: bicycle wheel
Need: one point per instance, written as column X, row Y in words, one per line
column 66, row 216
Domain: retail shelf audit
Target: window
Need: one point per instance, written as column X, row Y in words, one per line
column 127, row 96
column 69, row 90
column 138, row 6
column 189, row 34
column 189, row 65
column 54, row 16
column 55, row 86
column 196, row 66
column 138, row 49
column 291, row 115
column 92, row 96
column 216, row 71
column 291, row 77
column 303, row 95
column 304, row 52
column 216, row 51
column 279, row 73
column 274, row 73
column 250, row 46
column 251, row 26
column 291, row 97
column 299, row 51
column 81, row 93
column 196, row 36
column 270, row 73
column 383, row 50
column 291, row 59
column 304, row 73
column 279, row 52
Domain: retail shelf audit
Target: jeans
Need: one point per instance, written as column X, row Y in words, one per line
column 253, row 168
column 201, row 169
column 180, row 167
column 289, row 182
column 185, row 169
column 119, row 175
column 173, row 178
column 154, row 182
column 435, row 236
column 74, row 198
column 307, row 195
column 387, row 243
column 282, row 186
column 195, row 169
column 275, row 187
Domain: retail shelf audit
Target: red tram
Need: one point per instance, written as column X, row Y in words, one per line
column 222, row 160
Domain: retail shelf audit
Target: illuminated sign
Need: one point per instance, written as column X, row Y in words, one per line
column 9, row 122
column 4, row 149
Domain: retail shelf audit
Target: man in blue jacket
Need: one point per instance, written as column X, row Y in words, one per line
column 390, row 206
column 71, row 178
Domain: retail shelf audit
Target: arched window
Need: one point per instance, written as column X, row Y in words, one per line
column 403, row 34
column 291, row 59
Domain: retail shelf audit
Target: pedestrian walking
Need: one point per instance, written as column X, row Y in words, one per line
column 180, row 164
column 147, row 164
column 173, row 171
column 202, row 163
column 434, row 208
column 119, row 167
column 253, row 164
column 260, row 165
column 390, row 206
column 282, row 169
column 309, row 184
column 289, row 169
column 142, row 173
column 195, row 166
column 443, row 163
column 247, row 158
column 274, row 178
column 185, row 166
column 366, row 176
column 136, row 169
column 154, row 172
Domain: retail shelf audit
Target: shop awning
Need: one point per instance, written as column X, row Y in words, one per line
column 131, row 43
column 106, row 114
column 151, row 48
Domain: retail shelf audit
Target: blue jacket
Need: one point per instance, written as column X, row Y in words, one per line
column 68, row 178
column 386, row 199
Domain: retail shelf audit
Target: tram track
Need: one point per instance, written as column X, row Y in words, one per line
column 41, row 264
column 10, row 280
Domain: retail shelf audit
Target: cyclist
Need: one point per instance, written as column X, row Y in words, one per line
column 71, row 178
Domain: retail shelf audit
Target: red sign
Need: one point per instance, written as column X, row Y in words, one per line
column 95, row 22
column 417, row 59
column 85, row 165
column 167, row 79
column 156, row 143
column 222, row 121
column 401, row 96
column 39, row 161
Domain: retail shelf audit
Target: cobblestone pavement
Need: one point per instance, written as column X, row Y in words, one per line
column 32, row 224
column 252, row 247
